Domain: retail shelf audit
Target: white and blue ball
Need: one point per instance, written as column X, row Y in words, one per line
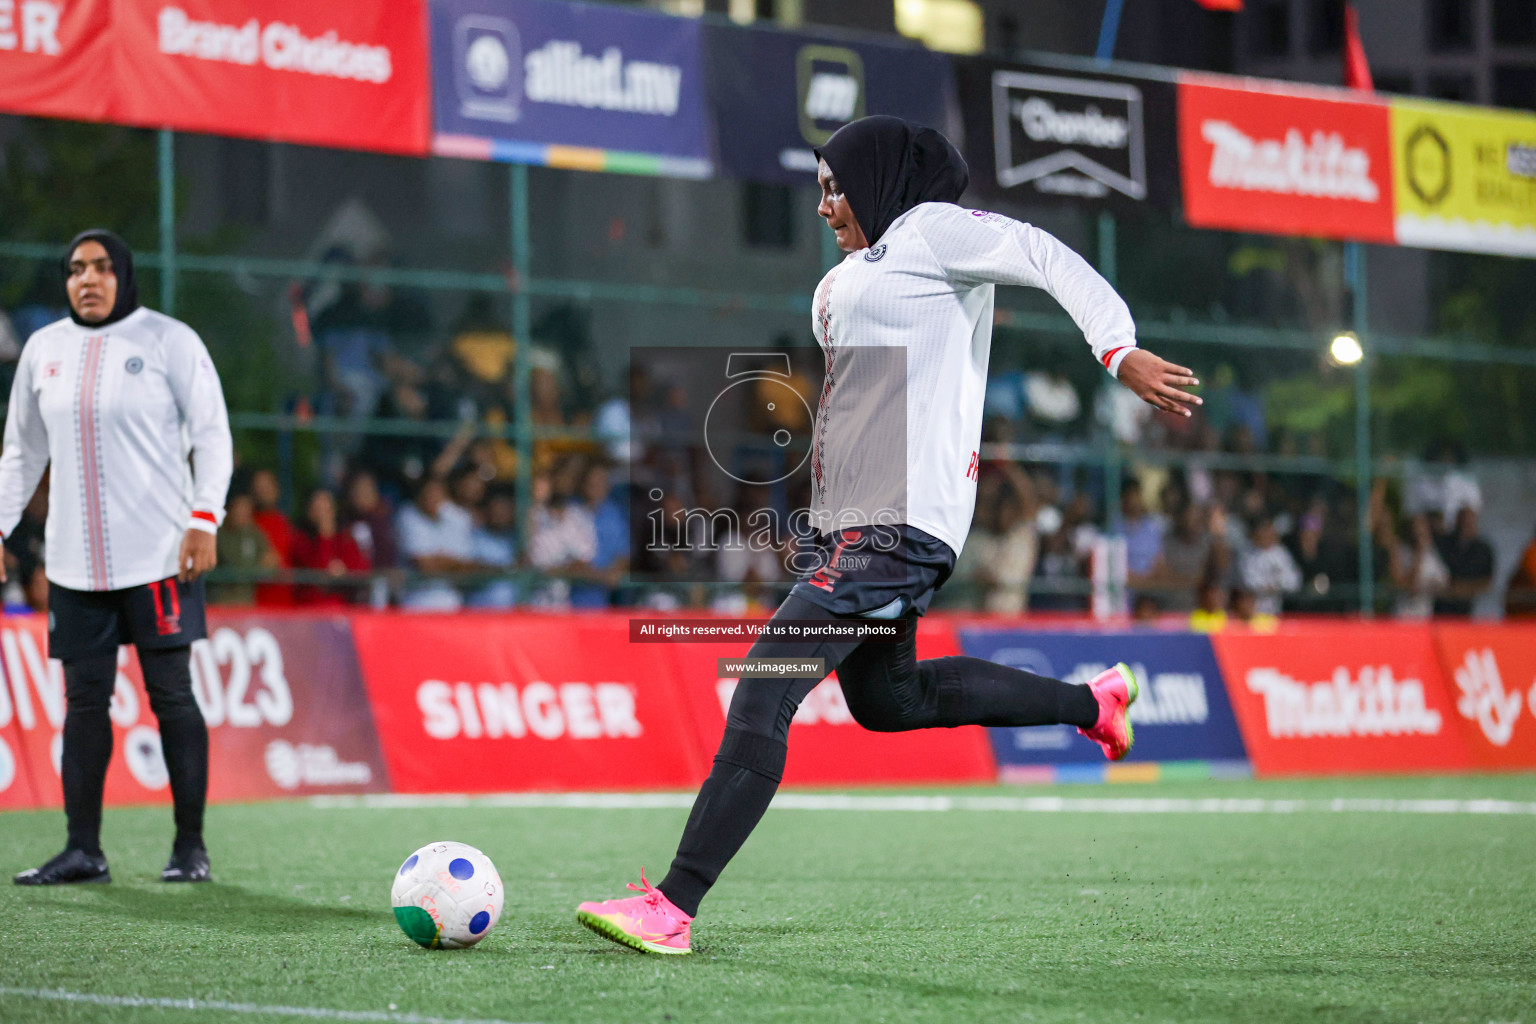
column 447, row 896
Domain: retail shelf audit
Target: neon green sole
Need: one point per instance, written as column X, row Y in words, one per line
column 1130, row 731
column 614, row 934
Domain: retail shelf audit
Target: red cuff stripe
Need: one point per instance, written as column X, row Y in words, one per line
column 207, row 517
column 1111, row 354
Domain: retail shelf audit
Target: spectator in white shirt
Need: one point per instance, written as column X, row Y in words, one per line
column 435, row 536
column 1053, row 401
column 1269, row 570
column 564, row 533
column 564, row 539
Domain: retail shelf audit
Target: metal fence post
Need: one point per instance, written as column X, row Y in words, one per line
column 1354, row 275
column 167, row 222
column 1363, row 485
column 522, row 330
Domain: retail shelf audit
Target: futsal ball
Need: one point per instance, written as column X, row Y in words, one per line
column 447, row 896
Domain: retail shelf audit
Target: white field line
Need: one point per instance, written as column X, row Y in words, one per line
column 220, row 1006
column 862, row 802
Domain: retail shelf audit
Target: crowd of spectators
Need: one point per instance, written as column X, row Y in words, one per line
column 1217, row 545
column 449, row 543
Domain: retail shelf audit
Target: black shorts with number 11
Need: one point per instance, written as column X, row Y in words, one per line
column 161, row 615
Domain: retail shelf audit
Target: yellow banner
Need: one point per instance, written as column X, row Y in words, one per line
column 1464, row 177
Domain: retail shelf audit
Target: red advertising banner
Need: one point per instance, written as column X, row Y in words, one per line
column 286, row 711
column 56, row 58
column 286, row 708
column 349, row 75
column 826, row 746
column 1292, row 161
column 1490, row 672
column 1351, row 697
column 31, row 713
column 485, row 704
column 300, row 704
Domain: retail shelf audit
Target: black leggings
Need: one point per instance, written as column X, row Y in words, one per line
column 887, row 690
column 88, row 685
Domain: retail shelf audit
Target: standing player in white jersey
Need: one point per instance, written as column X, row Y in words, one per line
column 115, row 399
column 905, row 325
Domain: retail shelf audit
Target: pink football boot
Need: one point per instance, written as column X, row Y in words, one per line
column 1115, row 690
column 648, row 922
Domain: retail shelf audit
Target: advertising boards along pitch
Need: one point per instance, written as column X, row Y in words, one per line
column 353, row 76
column 1182, row 714
column 583, row 86
column 282, row 697
column 1490, row 675
column 1333, row 698
column 776, row 95
column 56, row 61
column 1284, row 160
column 1465, row 177
column 1058, row 134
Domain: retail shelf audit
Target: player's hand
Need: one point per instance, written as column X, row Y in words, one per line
column 1157, row 381
column 199, row 553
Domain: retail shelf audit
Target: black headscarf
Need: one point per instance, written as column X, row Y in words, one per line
column 886, row 166
column 122, row 266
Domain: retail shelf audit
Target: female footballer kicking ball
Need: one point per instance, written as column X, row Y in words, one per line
column 912, row 300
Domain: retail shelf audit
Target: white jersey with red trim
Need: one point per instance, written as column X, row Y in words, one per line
column 117, row 411
column 926, row 292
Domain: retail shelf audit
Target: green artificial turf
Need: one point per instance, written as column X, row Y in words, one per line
column 825, row 916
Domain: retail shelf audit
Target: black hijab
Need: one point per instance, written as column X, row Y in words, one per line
column 886, row 166
column 122, row 266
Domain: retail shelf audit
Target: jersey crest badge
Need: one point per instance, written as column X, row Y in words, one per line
column 875, row 254
column 134, row 364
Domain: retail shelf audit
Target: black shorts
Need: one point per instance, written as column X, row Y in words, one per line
column 161, row 615
column 878, row 572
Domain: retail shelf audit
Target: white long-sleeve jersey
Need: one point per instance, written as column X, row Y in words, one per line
column 118, row 411
column 906, row 331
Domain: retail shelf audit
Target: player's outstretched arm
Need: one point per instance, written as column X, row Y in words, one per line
column 980, row 247
column 1157, row 382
